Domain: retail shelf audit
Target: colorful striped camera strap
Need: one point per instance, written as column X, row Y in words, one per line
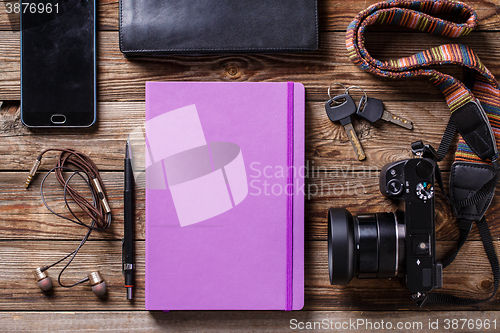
column 474, row 105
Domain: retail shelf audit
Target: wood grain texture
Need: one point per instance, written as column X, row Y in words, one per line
column 333, row 15
column 381, row 294
column 24, row 215
column 327, row 145
column 31, row 237
column 22, row 257
column 19, row 292
column 245, row 321
column 123, row 79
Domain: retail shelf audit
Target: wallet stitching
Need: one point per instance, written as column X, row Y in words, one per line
column 224, row 49
column 220, row 49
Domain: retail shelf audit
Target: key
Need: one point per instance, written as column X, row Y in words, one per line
column 342, row 112
column 372, row 109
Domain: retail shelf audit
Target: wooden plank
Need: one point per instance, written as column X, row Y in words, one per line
column 22, row 257
column 31, row 237
column 333, row 15
column 253, row 321
column 23, row 215
column 359, row 193
column 19, row 291
column 9, row 20
column 123, row 79
column 105, row 143
column 9, row 66
column 380, row 294
column 326, row 142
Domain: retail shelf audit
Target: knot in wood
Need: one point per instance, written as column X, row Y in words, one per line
column 486, row 284
column 232, row 70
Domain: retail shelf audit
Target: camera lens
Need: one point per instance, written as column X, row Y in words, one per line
column 341, row 246
column 366, row 246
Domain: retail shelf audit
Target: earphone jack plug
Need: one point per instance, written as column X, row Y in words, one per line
column 33, row 171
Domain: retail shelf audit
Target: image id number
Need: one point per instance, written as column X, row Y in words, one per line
column 464, row 324
column 31, row 7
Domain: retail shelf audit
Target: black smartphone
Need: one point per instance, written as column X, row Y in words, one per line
column 58, row 63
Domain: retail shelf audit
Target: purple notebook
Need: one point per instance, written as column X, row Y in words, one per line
column 224, row 196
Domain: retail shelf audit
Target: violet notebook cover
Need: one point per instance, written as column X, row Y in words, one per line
column 224, row 196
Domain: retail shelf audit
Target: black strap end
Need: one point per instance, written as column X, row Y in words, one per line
column 465, row 225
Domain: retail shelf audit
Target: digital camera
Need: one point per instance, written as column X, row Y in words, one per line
column 386, row 245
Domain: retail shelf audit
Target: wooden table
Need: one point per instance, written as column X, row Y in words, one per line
column 30, row 236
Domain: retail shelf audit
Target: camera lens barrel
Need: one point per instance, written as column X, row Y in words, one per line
column 342, row 256
column 366, row 246
column 381, row 245
column 366, row 233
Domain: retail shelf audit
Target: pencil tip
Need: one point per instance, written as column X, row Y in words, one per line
column 127, row 147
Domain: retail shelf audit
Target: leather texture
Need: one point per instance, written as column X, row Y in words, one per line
column 160, row 27
column 466, row 179
column 473, row 124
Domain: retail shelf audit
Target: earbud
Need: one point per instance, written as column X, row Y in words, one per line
column 95, row 279
column 43, row 281
column 98, row 284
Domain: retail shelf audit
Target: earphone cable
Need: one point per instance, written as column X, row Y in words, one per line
column 98, row 210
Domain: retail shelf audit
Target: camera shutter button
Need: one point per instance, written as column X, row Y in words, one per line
column 425, row 169
column 394, row 187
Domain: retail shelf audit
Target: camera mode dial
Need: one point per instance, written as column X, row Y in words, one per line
column 424, row 191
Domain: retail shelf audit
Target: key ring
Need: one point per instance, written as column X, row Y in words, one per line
column 363, row 101
column 339, row 84
column 346, row 91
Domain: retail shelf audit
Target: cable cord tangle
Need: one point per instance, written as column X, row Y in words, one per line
column 73, row 163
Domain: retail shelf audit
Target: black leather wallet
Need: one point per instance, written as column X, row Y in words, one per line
column 159, row 27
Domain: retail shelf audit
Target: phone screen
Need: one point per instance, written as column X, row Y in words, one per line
column 58, row 64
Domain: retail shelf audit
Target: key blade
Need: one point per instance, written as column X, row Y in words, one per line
column 387, row 116
column 351, row 134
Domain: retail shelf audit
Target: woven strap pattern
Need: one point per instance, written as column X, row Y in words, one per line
column 419, row 15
